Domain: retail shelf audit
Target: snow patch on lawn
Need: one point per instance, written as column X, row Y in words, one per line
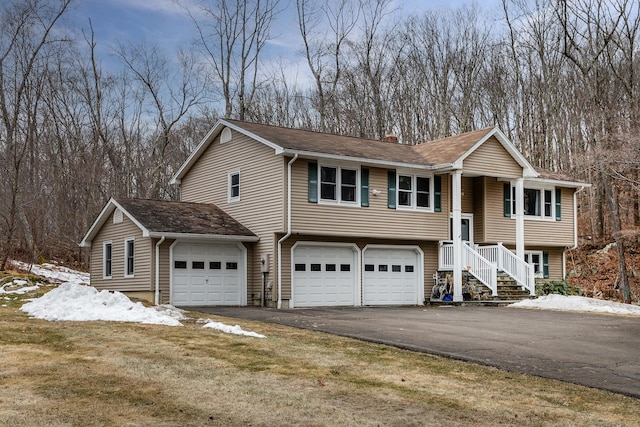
column 576, row 303
column 237, row 330
column 53, row 272
column 72, row 301
column 17, row 287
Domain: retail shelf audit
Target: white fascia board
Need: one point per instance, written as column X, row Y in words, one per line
column 362, row 160
column 528, row 171
column 559, row 182
column 193, row 236
column 208, row 139
column 97, row 224
column 111, row 205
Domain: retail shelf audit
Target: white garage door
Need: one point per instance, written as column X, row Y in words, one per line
column 324, row 276
column 391, row 277
column 207, row 274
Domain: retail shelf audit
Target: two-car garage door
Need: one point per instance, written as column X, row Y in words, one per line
column 329, row 275
column 207, row 274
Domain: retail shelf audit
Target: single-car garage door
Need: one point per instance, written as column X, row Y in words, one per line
column 207, row 274
column 391, row 276
column 324, row 275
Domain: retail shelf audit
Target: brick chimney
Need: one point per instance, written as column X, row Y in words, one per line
column 390, row 138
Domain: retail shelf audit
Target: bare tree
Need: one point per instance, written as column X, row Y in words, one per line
column 325, row 28
column 26, row 33
column 171, row 94
column 232, row 35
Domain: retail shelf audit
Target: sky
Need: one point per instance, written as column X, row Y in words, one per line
column 164, row 23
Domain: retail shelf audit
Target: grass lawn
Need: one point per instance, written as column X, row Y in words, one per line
column 120, row 374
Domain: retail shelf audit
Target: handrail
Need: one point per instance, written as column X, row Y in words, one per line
column 484, row 270
column 496, row 256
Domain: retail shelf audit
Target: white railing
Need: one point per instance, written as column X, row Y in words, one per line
column 497, row 256
column 484, row 270
column 511, row 264
column 481, row 268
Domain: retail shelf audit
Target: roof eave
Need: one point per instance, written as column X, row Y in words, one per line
column 200, row 236
column 363, row 160
column 561, row 182
column 111, row 205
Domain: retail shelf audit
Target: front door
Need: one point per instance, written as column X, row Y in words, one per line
column 466, row 224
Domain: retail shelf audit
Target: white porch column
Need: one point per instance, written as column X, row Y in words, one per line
column 520, row 218
column 456, row 204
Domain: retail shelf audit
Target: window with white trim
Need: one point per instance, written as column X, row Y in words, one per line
column 338, row 184
column 233, row 189
column 129, row 257
column 538, row 202
column 107, row 260
column 535, row 259
column 414, row 192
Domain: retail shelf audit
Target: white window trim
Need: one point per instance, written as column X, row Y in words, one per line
column 414, row 192
column 537, row 274
column 231, row 199
column 338, row 200
column 126, row 257
column 104, row 259
column 542, row 189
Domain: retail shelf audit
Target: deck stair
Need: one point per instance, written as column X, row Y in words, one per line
column 509, row 290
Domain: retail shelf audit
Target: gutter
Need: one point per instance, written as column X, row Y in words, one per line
column 157, row 293
column 286, row 236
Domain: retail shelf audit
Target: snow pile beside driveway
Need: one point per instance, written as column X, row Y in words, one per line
column 237, row 330
column 72, row 301
column 576, row 303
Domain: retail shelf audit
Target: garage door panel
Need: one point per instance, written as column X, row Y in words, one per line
column 390, row 276
column 323, row 276
column 210, row 282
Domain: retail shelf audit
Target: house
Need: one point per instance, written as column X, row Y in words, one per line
column 294, row 218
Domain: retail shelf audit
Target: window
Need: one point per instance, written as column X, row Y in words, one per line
column 316, row 267
column 414, row 192
column 538, row 203
column 197, row 265
column 408, row 268
column 232, row 266
column 180, row 264
column 338, row 184
column 300, row 267
column 396, row 268
column 535, row 258
column 234, row 186
column 345, row 267
column 215, row 265
column 330, row 267
column 129, row 253
column 108, row 259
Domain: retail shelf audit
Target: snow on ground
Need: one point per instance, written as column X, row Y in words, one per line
column 76, row 301
column 230, row 329
column 72, row 301
column 55, row 273
column 576, row 303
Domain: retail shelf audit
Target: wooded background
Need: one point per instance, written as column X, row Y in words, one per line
column 559, row 78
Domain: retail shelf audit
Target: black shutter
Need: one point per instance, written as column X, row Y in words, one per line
column 437, row 193
column 507, row 199
column 558, row 204
column 364, row 187
column 391, row 194
column 545, row 264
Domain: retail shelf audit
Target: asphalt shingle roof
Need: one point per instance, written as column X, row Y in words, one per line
column 162, row 216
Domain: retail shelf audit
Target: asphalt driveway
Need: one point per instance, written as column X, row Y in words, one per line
column 594, row 350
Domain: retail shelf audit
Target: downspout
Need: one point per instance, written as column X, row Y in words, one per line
column 157, row 293
column 286, row 236
column 575, row 232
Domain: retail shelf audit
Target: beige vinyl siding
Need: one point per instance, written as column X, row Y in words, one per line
column 165, row 269
column 492, row 159
column 376, row 220
column 262, row 204
column 467, row 194
column 553, row 233
column 556, row 254
column 498, row 228
column 478, row 211
column 430, row 261
column 117, row 233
